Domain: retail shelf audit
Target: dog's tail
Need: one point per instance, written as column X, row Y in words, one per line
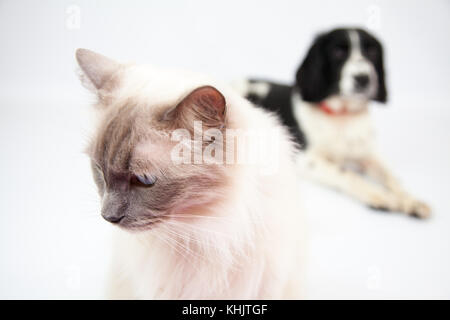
column 254, row 90
column 241, row 86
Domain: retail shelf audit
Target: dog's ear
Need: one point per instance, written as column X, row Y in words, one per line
column 312, row 75
column 381, row 95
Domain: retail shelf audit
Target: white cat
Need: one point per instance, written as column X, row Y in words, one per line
column 196, row 229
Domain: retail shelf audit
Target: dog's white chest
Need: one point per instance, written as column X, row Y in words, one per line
column 340, row 137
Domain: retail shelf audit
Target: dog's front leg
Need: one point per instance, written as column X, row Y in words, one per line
column 327, row 172
column 375, row 168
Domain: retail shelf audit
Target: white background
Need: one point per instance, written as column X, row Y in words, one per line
column 53, row 242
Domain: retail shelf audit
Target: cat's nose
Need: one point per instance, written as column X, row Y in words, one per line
column 113, row 208
column 113, row 218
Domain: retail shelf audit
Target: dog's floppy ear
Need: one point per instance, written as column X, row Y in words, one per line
column 312, row 76
column 381, row 95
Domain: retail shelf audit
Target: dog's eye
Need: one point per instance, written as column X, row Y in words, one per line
column 340, row 51
column 371, row 51
column 144, row 180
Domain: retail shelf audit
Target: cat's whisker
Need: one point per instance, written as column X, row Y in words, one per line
column 190, row 236
column 201, row 217
column 190, row 219
column 170, row 244
column 185, row 236
column 182, row 246
column 175, row 244
column 182, row 234
column 207, row 246
column 195, row 227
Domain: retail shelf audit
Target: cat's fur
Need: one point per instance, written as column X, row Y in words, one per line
column 202, row 231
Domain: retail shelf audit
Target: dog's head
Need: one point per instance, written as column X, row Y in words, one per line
column 343, row 62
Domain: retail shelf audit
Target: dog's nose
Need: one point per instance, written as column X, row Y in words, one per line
column 361, row 81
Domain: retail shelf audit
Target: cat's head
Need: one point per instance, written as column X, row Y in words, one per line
column 131, row 152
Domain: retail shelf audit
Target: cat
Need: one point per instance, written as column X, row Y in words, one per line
column 217, row 228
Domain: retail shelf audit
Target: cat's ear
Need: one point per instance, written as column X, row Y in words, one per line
column 204, row 104
column 98, row 69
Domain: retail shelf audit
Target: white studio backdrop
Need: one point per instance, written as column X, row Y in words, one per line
column 53, row 242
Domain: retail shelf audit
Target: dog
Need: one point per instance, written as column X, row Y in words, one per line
column 326, row 111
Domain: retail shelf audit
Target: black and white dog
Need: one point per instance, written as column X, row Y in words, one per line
column 326, row 111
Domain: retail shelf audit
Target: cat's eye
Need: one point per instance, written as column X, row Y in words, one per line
column 145, row 180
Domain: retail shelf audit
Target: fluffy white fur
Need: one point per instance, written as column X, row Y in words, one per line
column 249, row 246
column 339, row 138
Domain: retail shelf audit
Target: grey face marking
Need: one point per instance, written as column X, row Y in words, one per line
column 118, row 163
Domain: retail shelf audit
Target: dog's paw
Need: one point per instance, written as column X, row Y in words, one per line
column 414, row 207
column 418, row 209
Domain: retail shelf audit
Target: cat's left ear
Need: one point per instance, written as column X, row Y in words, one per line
column 204, row 104
column 98, row 69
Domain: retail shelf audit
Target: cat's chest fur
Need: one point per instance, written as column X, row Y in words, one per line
column 339, row 137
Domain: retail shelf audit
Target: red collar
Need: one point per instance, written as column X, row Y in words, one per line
column 326, row 108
